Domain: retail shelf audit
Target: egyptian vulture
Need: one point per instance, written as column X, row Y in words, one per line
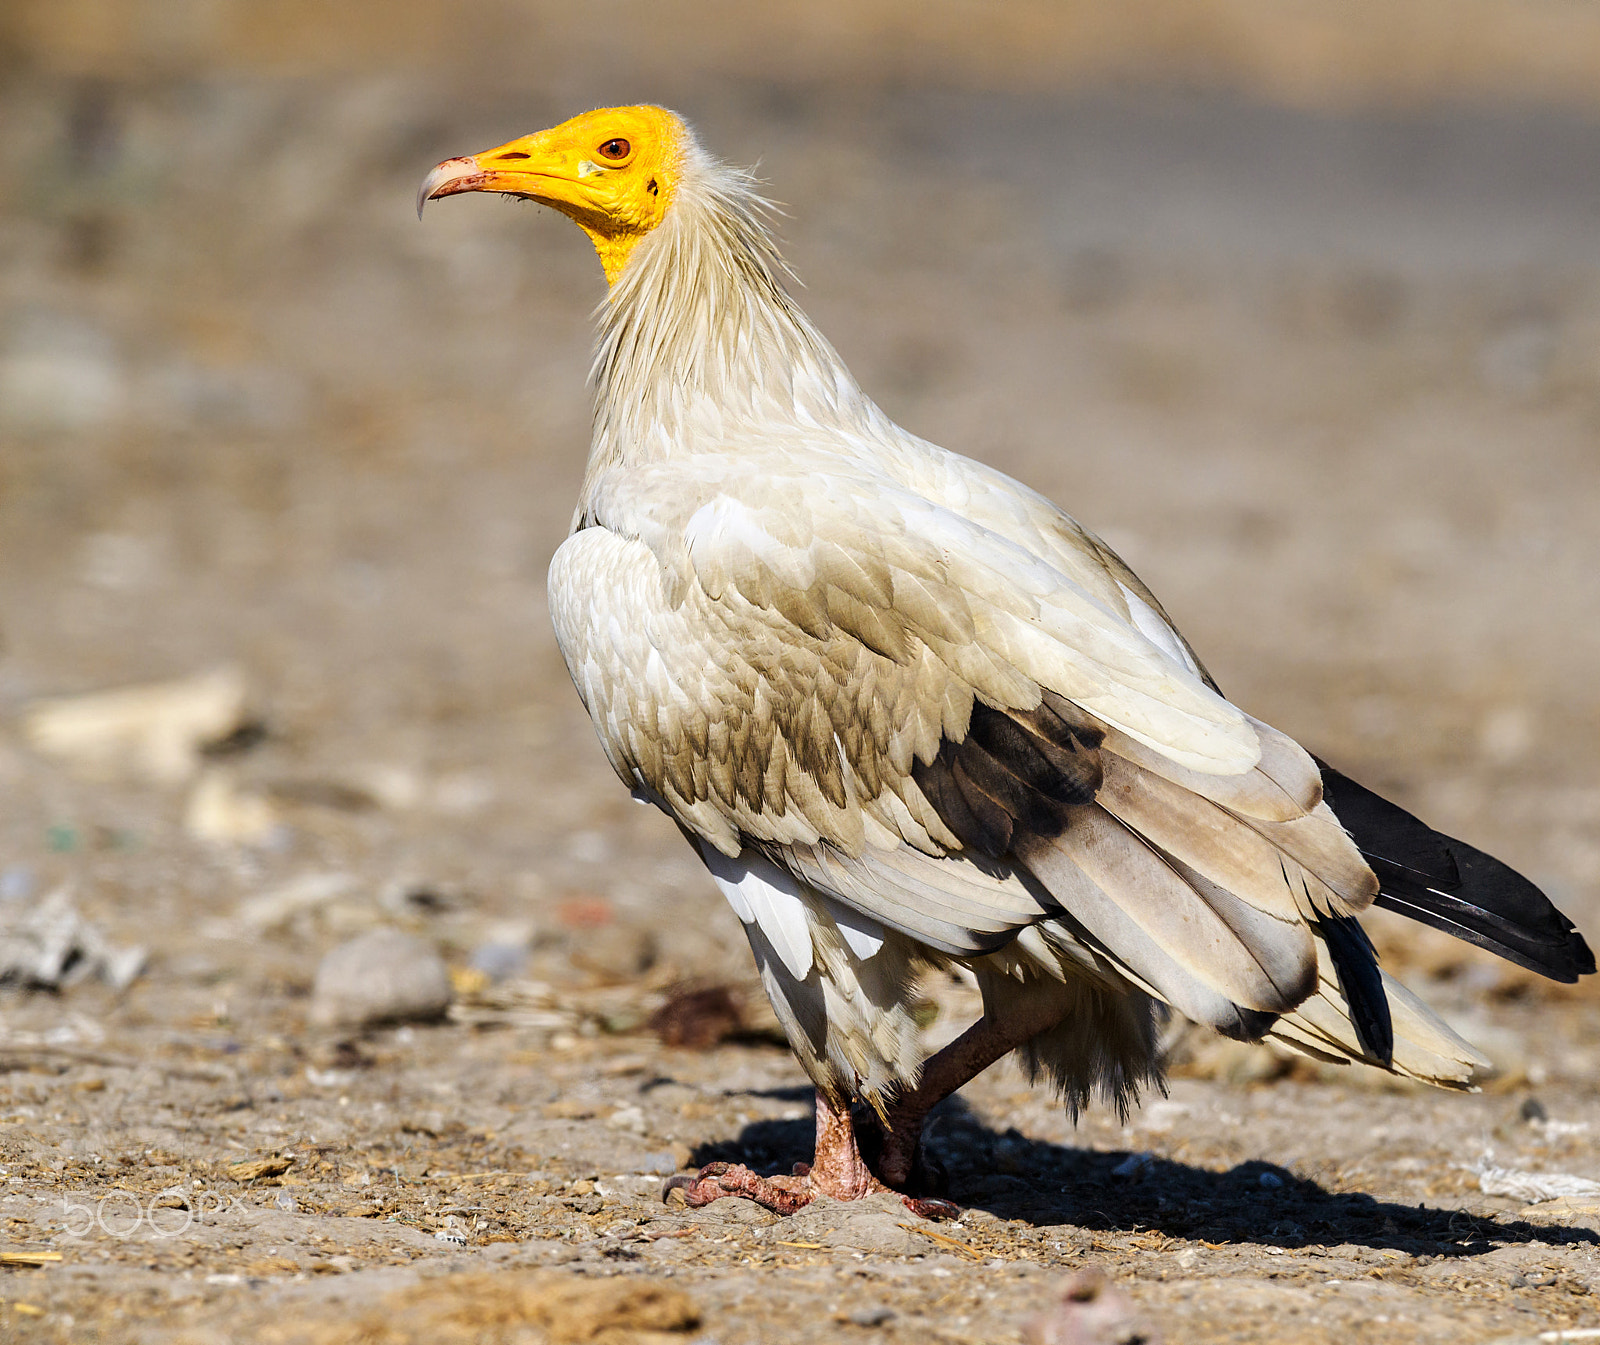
column 911, row 714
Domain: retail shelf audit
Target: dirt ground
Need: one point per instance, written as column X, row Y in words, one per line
column 1329, row 382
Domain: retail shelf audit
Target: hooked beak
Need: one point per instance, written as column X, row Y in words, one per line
column 523, row 167
column 449, row 178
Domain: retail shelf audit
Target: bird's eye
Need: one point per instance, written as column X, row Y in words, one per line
column 615, row 150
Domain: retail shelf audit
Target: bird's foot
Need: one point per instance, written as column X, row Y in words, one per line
column 838, row 1170
column 786, row 1194
column 781, row 1195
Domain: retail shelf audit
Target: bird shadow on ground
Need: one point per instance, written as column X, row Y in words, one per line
column 1045, row 1184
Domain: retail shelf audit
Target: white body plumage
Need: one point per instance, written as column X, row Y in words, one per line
column 777, row 606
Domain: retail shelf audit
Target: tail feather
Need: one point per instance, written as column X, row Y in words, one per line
column 1451, row 886
column 1423, row 1046
column 1170, row 886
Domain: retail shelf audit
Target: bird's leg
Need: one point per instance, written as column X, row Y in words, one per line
column 837, row 1169
column 899, row 1160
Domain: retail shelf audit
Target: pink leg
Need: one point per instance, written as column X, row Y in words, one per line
column 838, row 1170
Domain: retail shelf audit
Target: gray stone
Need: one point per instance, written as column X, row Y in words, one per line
column 60, row 374
column 737, row 1210
column 381, row 977
column 872, row 1317
column 873, row 1224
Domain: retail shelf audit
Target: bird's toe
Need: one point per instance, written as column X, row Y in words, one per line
column 782, row 1195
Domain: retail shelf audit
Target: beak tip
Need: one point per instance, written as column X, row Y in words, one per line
column 439, row 176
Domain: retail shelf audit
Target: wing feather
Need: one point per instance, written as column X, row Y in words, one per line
column 856, row 683
column 1235, row 853
column 952, row 904
column 1139, row 906
column 1284, row 784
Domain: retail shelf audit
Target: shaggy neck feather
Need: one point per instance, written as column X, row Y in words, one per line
column 699, row 340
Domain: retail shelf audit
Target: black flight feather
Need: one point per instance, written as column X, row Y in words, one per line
column 1356, row 963
column 1019, row 771
column 1448, row 884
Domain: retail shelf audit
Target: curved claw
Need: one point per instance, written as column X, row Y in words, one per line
column 689, row 1182
column 682, row 1182
column 929, row 1207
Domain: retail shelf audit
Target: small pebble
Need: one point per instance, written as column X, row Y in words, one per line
column 1271, row 1181
column 285, row 1202
column 628, row 1118
column 872, row 1317
column 499, row 961
column 381, row 977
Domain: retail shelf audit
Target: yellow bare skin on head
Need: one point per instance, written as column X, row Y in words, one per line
column 612, row 171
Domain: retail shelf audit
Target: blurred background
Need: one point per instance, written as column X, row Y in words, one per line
column 1297, row 303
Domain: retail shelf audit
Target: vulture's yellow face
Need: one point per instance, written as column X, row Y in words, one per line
column 612, row 171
